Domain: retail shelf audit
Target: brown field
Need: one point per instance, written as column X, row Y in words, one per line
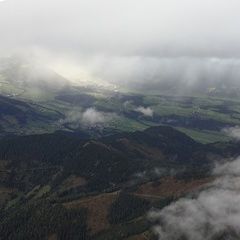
column 74, row 181
column 170, row 187
column 5, row 194
column 97, row 207
column 141, row 236
column 149, row 152
column 52, row 237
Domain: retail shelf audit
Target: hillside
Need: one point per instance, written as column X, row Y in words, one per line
column 104, row 162
column 67, row 176
column 19, row 117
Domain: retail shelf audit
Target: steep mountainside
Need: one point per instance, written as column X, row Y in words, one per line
column 62, row 174
column 105, row 162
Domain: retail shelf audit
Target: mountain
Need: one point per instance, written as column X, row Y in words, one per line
column 19, row 76
column 66, row 176
column 103, row 162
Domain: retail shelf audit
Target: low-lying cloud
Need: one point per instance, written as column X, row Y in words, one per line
column 233, row 132
column 153, row 73
column 213, row 214
column 146, row 111
column 87, row 118
column 161, row 74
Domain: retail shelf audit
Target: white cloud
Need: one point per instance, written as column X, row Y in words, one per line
column 214, row 212
column 146, row 111
column 92, row 117
column 233, row 132
column 88, row 118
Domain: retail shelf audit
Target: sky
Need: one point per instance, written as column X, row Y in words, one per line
column 128, row 40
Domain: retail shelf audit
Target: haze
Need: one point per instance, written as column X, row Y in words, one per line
column 128, row 41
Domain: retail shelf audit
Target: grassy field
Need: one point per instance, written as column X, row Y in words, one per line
column 224, row 111
column 205, row 136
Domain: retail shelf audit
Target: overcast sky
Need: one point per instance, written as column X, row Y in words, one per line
column 126, row 30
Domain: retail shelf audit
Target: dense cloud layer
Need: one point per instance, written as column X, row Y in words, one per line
column 134, row 43
column 213, row 214
column 148, row 27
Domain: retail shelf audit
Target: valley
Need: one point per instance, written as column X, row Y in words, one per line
column 86, row 162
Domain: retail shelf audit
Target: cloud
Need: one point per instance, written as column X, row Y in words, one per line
column 150, row 174
column 147, row 44
column 164, row 28
column 88, row 118
column 233, row 132
column 213, row 214
column 161, row 73
column 181, row 74
column 92, row 117
column 146, row 111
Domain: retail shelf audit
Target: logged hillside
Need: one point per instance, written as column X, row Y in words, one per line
column 90, row 180
column 104, row 163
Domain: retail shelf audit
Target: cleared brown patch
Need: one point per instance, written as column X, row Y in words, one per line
column 142, row 236
column 147, row 151
column 3, row 168
column 74, row 181
column 52, row 237
column 6, row 190
column 3, row 164
column 97, row 208
column 137, row 237
column 170, row 187
column 92, row 142
column 5, row 194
